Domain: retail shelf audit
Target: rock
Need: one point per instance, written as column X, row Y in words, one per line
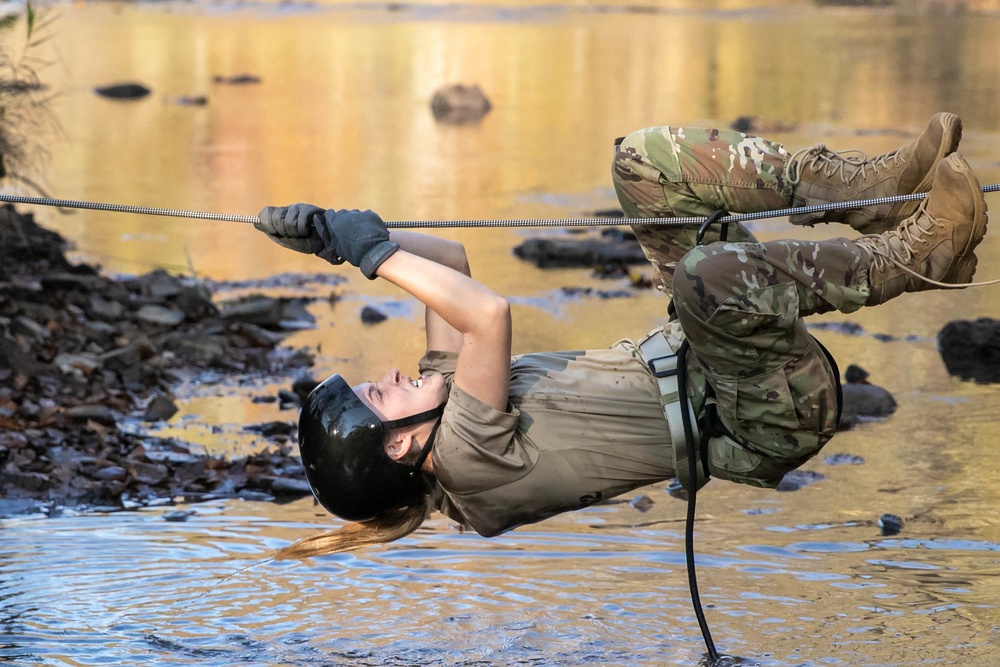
column 269, row 429
column 76, row 357
column 192, row 100
column 642, row 503
column 890, row 524
column 303, row 386
column 843, row 459
column 29, row 481
column 238, row 80
column 123, row 91
column 580, row 253
column 157, row 284
column 177, row 515
column 274, row 313
column 104, row 309
column 970, row 349
column 370, row 315
column 111, row 473
column 150, row 474
column 459, row 104
column 160, row 408
column 85, row 363
column 168, row 317
column 796, row 479
column 96, row 413
column 760, row 126
column 282, row 486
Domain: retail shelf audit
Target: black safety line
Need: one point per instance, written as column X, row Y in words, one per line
column 696, row 453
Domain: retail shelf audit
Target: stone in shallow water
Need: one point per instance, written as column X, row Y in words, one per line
column 796, row 479
column 890, row 524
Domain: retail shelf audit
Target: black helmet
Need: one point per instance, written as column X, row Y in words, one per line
column 342, row 446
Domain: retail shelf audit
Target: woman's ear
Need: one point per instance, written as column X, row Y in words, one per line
column 398, row 445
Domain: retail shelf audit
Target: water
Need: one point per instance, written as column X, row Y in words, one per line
column 341, row 118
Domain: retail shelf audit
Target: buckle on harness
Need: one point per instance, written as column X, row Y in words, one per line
column 669, row 371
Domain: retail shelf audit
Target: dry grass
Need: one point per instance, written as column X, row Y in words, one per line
column 26, row 122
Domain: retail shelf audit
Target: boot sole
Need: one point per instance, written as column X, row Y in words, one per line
column 965, row 264
column 951, row 126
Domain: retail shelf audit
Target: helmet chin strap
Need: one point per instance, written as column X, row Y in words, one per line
column 419, row 418
column 425, row 452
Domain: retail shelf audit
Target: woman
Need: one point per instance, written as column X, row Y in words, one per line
column 495, row 443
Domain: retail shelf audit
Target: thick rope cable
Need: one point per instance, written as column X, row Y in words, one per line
column 530, row 222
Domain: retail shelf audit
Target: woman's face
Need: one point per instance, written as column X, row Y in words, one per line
column 397, row 396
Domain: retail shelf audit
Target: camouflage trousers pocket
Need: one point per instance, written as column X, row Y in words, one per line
column 760, row 410
column 729, row 460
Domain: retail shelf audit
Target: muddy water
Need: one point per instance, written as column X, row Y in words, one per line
column 341, row 118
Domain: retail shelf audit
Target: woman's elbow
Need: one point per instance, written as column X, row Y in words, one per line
column 495, row 314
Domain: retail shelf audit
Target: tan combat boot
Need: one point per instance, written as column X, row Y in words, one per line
column 822, row 176
column 934, row 246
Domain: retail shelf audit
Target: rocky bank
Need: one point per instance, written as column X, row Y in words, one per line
column 81, row 354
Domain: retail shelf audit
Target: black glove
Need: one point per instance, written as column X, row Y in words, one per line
column 358, row 237
column 292, row 226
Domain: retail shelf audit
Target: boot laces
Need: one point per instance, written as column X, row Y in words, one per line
column 897, row 248
column 849, row 164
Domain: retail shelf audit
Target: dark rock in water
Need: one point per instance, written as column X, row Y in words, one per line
column 580, row 253
column 123, row 91
column 270, row 312
column 160, row 408
column 796, row 479
column 270, row 429
column 192, row 100
column 863, row 400
column 303, row 386
column 371, row 315
column 590, row 291
column 282, row 486
column 642, row 503
column 238, row 80
column 846, row 328
column 970, row 349
column 890, row 524
column 755, row 125
column 843, row 459
column 459, row 104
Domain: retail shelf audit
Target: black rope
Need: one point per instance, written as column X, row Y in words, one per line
column 694, row 455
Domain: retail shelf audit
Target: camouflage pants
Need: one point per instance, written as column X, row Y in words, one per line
column 741, row 302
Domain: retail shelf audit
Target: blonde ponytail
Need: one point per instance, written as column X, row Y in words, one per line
column 388, row 527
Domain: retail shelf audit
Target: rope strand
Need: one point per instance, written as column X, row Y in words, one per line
column 440, row 224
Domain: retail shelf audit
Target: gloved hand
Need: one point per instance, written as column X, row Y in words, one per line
column 358, row 237
column 292, row 227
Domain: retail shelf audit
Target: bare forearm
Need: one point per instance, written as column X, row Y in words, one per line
column 436, row 249
column 466, row 305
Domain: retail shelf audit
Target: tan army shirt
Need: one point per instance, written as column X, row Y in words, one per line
column 580, row 427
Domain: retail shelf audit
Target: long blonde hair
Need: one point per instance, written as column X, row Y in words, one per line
column 387, row 527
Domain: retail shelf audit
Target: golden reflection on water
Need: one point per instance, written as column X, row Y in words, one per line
column 341, row 118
